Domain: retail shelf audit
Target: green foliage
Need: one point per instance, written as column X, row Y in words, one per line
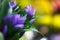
column 16, row 37
column 3, row 9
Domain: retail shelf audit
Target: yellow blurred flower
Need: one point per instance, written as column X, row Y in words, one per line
column 43, row 5
column 46, row 19
column 56, row 21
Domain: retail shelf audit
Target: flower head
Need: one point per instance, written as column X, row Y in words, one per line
column 16, row 20
column 11, row 5
column 29, row 10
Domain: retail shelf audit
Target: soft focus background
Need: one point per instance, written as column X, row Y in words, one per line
column 47, row 21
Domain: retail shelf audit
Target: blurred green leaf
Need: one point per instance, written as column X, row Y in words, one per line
column 0, row 7
column 33, row 29
column 19, row 10
column 9, row 29
column 28, row 23
column 4, row 9
column 16, row 37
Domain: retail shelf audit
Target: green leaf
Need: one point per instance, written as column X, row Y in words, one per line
column 38, row 16
column 21, row 30
column 33, row 29
column 0, row 7
column 22, row 12
column 4, row 9
column 28, row 23
column 9, row 29
column 16, row 37
column 19, row 10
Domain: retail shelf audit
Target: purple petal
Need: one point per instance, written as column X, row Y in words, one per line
column 7, row 18
column 23, row 18
column 5, row 30
column 19, row 26
column 29, row 10
column 12, row 4
column 28, row 7
column 32, row 12
column 32, row 20
column 15, row 18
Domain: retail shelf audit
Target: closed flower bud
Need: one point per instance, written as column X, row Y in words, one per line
column 28, row 10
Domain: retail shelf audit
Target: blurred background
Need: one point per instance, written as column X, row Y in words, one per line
column 47, row 21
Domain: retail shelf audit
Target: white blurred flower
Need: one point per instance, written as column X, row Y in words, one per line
column 29, row 35
column 43, row 38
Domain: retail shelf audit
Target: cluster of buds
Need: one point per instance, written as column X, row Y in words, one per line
column 16, row 21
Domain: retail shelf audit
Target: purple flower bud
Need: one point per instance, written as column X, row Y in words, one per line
column 32, row 20
column 29, row 10
column 16, row 20
column 5, row 29
column 11, row 5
